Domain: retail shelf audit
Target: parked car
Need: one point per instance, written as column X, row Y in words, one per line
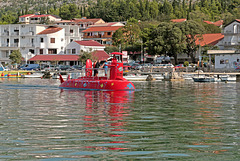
column 168, row 66
column 30, row 67
column 136, row 66
column 63, row 67
column 49, row 68
column 77, row 67
column 159, row 65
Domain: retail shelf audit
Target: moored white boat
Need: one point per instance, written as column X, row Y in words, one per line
column 34, row 75
column 206, row 79
column 230, row 78
column 136, row 77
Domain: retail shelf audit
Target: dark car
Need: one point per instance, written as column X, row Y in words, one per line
column 136, row 66
column 30, row 67
column 77, row 67
column 63, row 67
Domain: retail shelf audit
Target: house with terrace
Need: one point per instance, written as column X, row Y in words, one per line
column 206, row 40
column 102, row 32
column 36, row 18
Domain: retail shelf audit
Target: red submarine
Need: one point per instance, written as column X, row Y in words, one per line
column 113, row 81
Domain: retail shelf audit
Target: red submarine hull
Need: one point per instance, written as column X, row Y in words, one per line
column 86, row 83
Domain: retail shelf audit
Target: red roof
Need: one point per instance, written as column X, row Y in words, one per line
column 109, row 24
column 89, row 43
column 41, row 15
column 218, row 23
column 179, row 20
column 28, row 15
column 208, row 22
column 238, row 20
column 100, row 55
column 50, row 30
column 99, row 29
column 55, row 57
column 64, row 21
column 87, row 20
column 210, row 39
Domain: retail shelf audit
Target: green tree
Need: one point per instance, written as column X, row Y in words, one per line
column 16, row 57
column 110, row 49
column 130, row 34
column 68, row 11
column 191, row 31
column 85, row 56
column 166, row 39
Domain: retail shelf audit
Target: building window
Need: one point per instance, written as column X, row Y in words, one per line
column 41, row 51
column 237, row 60
column 41, row 39
column 52, row 51
column 109, row 33
column 31, row 51
column 221, row 61
column 16, row 40
column 71, row 31
column 68, row 51
column 73, row 51
column 52, row 40
column 30, row 29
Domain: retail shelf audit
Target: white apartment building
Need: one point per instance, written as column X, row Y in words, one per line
column 231, row 34
column 35, row 18
column 33, row 39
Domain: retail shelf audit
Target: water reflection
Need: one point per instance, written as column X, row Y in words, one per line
column 106, row 110
column 163, row 121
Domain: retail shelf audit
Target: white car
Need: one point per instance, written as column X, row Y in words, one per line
column 168, row 66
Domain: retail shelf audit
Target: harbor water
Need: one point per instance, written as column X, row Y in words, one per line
column 161, row 120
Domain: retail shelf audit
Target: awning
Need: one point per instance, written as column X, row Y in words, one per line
column 55, row 57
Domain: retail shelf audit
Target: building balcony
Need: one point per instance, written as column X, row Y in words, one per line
column 15, row 34
column 98, row 36
column 14, row 45
column 31, row 33
column 40, row 45
column 5, row 45
column 5, row 34
column 71, row 34
column 28, row 45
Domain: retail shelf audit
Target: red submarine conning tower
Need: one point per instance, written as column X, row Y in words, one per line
column 116, row 68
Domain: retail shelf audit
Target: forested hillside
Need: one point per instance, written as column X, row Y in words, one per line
column 122, row 10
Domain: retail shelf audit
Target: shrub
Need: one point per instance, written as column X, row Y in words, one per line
column 186, row 64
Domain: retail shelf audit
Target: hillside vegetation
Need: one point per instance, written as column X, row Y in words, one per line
column 122, row 10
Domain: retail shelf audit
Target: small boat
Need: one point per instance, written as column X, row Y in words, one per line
column 136, row 77
column 188, row 77
column 228, row 78
column 113, row 81
column 33, row 75
column 206, row 79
